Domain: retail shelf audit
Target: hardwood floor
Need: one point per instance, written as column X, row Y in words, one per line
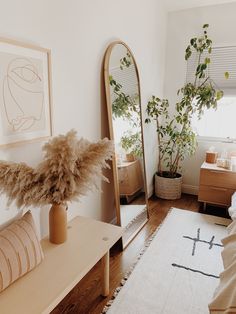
column 85, row 297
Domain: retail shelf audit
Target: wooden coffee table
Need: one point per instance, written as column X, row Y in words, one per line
column 63, row 267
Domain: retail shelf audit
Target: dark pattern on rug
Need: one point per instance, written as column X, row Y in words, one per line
column 195, row 270
column 197, row 239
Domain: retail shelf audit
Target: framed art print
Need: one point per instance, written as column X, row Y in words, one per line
column 25, row 92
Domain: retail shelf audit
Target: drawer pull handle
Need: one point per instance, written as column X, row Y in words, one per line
column 218, row 189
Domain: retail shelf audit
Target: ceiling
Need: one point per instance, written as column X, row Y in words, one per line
column 176, row 5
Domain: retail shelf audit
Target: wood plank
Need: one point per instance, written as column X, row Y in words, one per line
column 105, row 275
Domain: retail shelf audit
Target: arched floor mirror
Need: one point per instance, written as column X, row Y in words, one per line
column 125, row 125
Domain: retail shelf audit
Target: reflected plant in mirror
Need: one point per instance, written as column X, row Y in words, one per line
column 124, row 111
column 132, row 143
column 126, row 61
column 123, row 105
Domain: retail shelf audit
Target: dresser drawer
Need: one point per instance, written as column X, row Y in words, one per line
column 218, row 178
column 215, row 195
column 130, row 178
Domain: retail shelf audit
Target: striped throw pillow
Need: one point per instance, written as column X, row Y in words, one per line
column 20, row 250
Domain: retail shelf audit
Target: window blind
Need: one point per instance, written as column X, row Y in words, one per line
column 127, row 78
column 223, row 59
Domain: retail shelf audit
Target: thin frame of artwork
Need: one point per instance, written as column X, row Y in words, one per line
column 25, row 92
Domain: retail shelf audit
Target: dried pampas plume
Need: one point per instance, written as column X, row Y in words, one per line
column 70, row 167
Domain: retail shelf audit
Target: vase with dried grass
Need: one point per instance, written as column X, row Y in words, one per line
column 68, row 170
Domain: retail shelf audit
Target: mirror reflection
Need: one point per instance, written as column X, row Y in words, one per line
column 126, row 123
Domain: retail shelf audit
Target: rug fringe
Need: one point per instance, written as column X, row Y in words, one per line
column 135, row 218
column 129, row 272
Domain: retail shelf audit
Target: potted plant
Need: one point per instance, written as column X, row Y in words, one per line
column 132, row 144
column 176, row 139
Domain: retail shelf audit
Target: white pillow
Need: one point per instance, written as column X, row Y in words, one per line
column 232, row 212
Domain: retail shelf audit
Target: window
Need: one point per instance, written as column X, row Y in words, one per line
column 220, row 123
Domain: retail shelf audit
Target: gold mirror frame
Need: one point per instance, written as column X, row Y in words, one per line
column 111, row 131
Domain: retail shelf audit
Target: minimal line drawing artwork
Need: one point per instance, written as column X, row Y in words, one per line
column 25, row 92
column 22, row 81
column 196, row 240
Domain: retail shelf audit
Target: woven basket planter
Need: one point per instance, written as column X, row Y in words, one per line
column 168, row 188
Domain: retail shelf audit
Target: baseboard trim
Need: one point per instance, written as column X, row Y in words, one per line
column 190, row 189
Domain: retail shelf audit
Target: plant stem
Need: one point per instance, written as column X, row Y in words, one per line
column 204, row 82
column 159, row 144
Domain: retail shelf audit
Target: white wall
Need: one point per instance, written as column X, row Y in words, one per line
column 182, row 26
column 78, row 32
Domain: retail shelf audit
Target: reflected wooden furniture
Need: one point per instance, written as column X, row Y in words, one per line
column 63, row 267
column 130, row 178
column 216, row 185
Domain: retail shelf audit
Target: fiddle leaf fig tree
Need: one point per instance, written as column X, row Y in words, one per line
column 176, row 139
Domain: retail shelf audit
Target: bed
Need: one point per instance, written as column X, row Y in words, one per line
column 224, row 299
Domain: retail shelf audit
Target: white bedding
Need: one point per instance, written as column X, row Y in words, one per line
column 225, row 295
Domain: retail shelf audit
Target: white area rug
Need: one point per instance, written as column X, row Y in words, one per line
column 179, row 271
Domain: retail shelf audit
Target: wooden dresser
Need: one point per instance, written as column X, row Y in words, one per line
column 216, row 185
column 130, row 177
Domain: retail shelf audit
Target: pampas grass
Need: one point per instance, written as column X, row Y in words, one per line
column 70, row 168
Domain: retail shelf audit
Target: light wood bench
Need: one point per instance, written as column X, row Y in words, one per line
column 62, row 268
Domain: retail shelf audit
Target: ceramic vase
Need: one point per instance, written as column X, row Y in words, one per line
column 58, row 223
